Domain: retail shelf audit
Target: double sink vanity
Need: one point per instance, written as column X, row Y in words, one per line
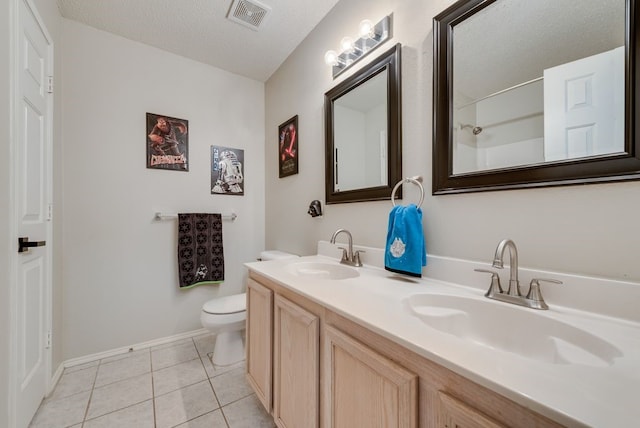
column 334, row 345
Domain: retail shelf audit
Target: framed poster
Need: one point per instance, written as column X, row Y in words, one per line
column 167, row 143
column 226, row 171
column 288, row 147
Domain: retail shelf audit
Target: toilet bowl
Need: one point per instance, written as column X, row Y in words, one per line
column 226, row 316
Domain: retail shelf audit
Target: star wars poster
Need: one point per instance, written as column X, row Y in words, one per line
column 288, row 147
column 167, row 143
column 226, row 171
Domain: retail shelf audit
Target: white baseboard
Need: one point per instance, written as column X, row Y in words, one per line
column 144, row 345
column 55, row 378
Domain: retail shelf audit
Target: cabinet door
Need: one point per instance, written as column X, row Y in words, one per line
column 259, row 341
column 364, row 389
column 296, row 367
column 456, row 414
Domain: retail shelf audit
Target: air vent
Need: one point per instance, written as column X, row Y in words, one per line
column 251, row 14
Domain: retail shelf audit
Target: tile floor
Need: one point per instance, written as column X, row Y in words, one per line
column 171, row 385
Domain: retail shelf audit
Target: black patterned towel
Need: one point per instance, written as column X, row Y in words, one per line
column 200, row 255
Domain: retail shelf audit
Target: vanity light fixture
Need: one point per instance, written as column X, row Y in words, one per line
column 347, row 45
column 366, row 29
column 371, row 36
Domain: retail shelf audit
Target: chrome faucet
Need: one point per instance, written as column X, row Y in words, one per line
column 514, row 284
column 349, row 257
column 533, row 299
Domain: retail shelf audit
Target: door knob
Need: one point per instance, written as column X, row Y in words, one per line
column 24, row 244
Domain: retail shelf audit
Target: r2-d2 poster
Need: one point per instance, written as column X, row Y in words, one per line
column 226, row 171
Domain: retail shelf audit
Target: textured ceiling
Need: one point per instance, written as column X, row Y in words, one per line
column 527, row 37
column 199, row 29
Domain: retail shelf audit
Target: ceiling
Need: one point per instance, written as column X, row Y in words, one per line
column 200, row 30
column 528, row 37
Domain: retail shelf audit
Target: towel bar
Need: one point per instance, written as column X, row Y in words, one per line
column 417, row 180
column 163, row 216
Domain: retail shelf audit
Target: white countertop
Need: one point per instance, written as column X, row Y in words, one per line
column 571, row 394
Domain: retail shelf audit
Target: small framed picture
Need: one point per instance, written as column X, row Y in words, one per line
column 288, row 147
column 227, row 177
column 167, row 143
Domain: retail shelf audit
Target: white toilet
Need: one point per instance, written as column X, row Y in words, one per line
column 225, row 317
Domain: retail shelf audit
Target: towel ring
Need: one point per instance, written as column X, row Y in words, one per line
column 417, row 180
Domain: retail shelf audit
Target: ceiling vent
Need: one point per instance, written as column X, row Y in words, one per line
column 251, row 14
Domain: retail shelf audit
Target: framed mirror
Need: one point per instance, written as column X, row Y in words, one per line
column 534, row 93
column 363, row 142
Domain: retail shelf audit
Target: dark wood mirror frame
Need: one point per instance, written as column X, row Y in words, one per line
column 389, row 61
column 619, row 167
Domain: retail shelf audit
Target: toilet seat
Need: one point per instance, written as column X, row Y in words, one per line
column 226, row 305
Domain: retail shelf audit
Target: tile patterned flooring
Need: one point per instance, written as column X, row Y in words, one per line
column 171, row 385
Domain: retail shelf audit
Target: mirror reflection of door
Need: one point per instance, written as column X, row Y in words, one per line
column 584, row 107
column 360, row 136
column 546, row 86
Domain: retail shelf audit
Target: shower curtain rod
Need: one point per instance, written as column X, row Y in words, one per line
column 502, row 91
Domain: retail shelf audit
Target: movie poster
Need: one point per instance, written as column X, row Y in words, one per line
column 288, row 147
column 227, row 177
column 167, row 143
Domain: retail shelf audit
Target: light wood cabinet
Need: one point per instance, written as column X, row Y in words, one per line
column 312, row 367
column 454, row 413
column 283, row 356
column 469, row 403
column 364, row 389
column 259, row 341
column 296, row 366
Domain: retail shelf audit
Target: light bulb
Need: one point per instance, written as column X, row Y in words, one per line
column 346, row 44
column 366, row 29
column 331, row 58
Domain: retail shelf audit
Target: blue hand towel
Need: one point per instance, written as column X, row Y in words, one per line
column 405, row 250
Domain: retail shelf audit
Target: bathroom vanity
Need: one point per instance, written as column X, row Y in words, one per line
column 330, row 345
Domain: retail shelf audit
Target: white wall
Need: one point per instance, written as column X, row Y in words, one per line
column 582, row 229
column 349, row 126
column 376, row 126
column 120, row 270
column 465, row 151
column 512, row 128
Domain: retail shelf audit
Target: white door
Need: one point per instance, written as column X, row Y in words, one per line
column 32, row 195
column 584, row 107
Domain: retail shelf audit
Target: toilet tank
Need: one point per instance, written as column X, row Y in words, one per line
column 275, row 255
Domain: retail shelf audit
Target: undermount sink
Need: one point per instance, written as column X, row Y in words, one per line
column 509, row 328
column 320, row 270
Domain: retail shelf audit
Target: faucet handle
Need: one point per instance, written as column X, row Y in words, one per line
column 344, row 253
column 356, row 257
column 495, row 287
column 534, row 293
